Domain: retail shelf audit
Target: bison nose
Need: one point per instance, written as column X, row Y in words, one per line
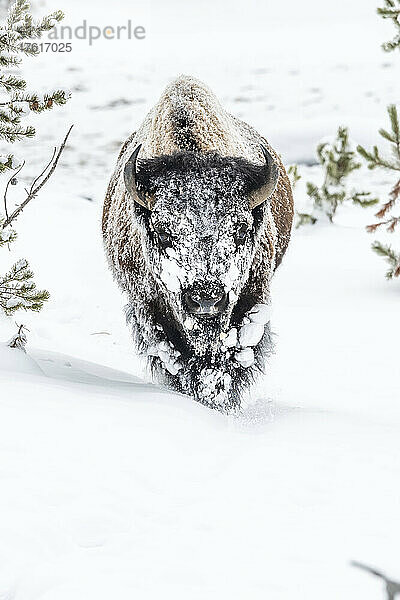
column 205, row 304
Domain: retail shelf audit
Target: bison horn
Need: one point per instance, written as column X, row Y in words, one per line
column 271, row 179
column 130, row 179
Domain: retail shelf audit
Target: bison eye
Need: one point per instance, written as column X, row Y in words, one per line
column 241, row 233
column 164, row 237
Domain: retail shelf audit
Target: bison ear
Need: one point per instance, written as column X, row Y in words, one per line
column 130, row 181
column 270, row 176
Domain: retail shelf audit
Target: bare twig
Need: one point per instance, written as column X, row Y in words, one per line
column 8, row 183
column 34, row 190
column 392, row 587
column 43, row 172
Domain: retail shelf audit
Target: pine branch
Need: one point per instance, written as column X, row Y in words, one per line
column 314, row 193
column 7, row 234
column 391, row 257
column 294, row 175
column 12, row 134
column 20, row 21
column 17, row 290
column 363, row 199
column 59, row 97
column 12, row 82
column 390, row 11
column 337, row 158
column 374, row 159
column 8, row 60
column 305, row 219
column 6, row 163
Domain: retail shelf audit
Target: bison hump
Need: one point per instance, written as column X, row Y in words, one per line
column 188, row 116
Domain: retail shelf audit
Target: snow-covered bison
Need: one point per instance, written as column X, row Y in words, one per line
column 196, row 219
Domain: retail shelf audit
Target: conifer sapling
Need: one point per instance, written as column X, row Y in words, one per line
column 338, row 161
column 17, row 289
column 385, row 216
column 19, row 340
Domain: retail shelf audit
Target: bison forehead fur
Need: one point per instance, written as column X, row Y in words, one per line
column 194, row 258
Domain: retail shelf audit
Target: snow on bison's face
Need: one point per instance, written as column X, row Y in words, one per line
column 201, row 226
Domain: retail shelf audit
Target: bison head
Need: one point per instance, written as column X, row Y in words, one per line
column 201, row 217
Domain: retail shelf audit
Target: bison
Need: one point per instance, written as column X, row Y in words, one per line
column 196, row 219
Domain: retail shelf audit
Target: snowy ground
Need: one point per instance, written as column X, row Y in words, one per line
column 111, row 487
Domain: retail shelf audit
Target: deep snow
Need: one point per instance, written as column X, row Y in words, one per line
column 111, row 487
